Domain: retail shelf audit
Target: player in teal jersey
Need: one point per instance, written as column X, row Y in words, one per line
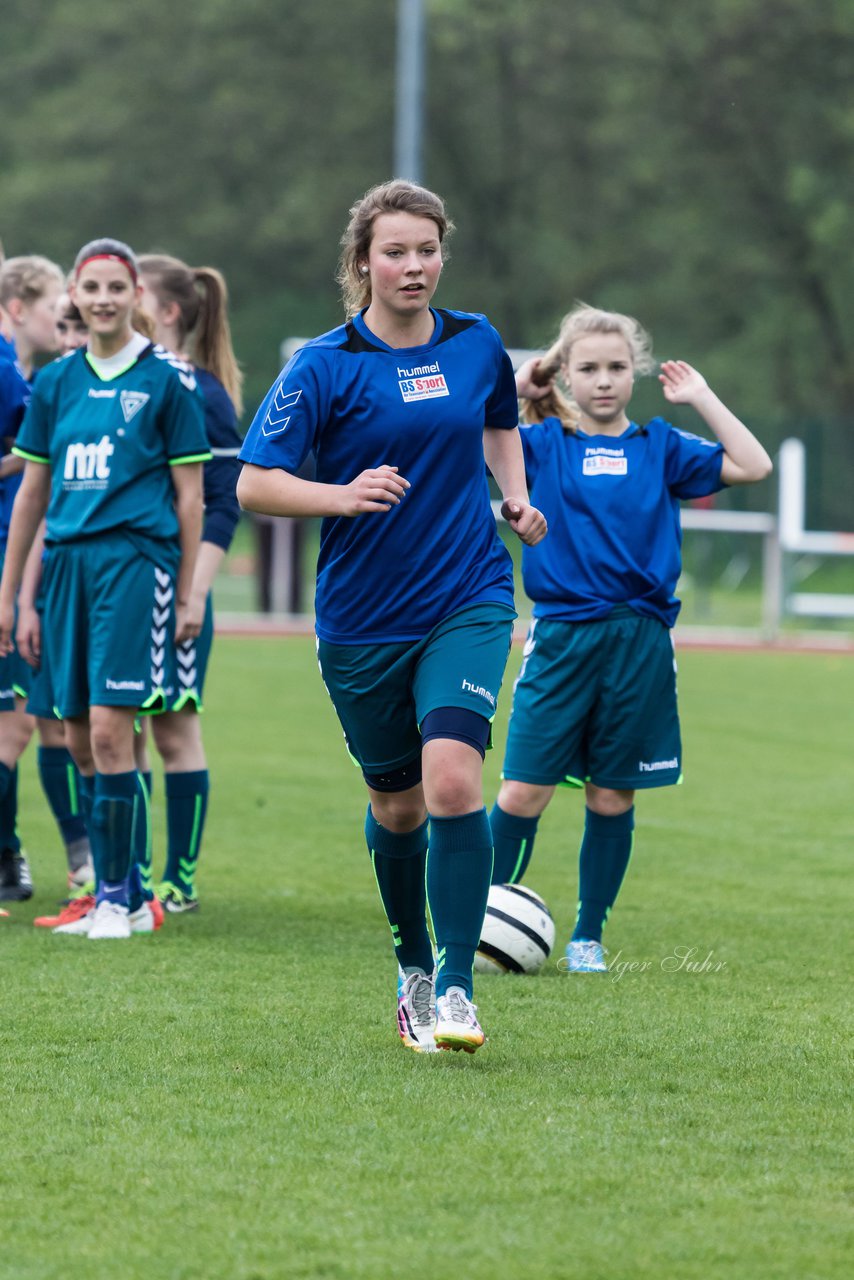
column 113, row 441
column 29, row 288
column 595, row 703
column 402, row 407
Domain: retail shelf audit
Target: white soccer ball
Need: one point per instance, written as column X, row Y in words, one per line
column 518, row 931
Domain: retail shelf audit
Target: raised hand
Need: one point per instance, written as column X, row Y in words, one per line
column 681, row 384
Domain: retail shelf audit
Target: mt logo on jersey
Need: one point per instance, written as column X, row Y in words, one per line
column 132, row 402
column 87, row 465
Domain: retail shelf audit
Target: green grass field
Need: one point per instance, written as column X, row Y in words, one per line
column 229, row 1100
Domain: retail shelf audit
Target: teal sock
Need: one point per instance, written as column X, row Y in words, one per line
column 459, row 866
column 140, row 883
column 9, row 808
column 399, row 861
column 513, row 838
column 186, row 808
column 116, row 810
column 605, row 852
column 60, row 781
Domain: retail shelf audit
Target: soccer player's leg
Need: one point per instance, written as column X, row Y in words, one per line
column 634, row 743
column 370, row 689
column 60, row 781
column 178, row 738
column 16, row 728
column 456, row 687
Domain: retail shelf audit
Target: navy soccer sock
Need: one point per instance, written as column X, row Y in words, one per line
column 9, row 808
column 513, row 839
column 605, row 852
column 115, row 812
column 399, row 860
column 60, row 781
column 186, row 809
column 459, row 866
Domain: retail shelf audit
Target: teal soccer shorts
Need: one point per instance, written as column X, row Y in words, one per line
column 108, row 613
column 189, row 664
column 596, row 702
column 382, row 692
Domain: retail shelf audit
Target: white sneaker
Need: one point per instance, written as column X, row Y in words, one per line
column 457, row 1026
column 111, row 921
column 416, row 1012
column 146, row 918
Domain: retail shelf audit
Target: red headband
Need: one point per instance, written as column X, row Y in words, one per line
column 110, row 257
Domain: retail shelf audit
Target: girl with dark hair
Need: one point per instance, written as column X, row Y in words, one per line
column 189, row 309
column 113, row 441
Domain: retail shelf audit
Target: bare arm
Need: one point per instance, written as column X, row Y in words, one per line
column 189, row 506
column 208, row 560
column 745, row 461
column 275, row 492
column 10, row 465
column 28, row 512
column 503, row 453
column 29, row 629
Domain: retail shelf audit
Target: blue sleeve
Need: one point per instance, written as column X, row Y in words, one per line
column 286, row 427
column 531, row 436
column 14, row 397
column 502, row 407
column 692, row 465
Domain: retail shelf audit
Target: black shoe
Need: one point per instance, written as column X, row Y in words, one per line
column 16, row 883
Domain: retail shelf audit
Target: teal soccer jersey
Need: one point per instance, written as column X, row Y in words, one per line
column 109, row 445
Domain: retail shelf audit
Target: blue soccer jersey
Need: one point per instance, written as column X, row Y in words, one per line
column 359, row 404
column 109, row 445
column 612, row 503
column 15, row 393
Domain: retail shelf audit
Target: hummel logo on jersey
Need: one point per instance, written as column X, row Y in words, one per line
column 184, row 370
column 96, row 394
column 278, row 414
column 87, row 465
column 132, row 402
column 422, row 382
column 605, row 462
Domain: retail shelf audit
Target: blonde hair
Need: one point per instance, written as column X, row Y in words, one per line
column 28, row 278
column 397, row 196
column 202, row 297
column 581, row 322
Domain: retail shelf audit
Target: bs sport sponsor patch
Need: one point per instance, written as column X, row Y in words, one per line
column 279, row 413
column 422, row 382
column 605, row 462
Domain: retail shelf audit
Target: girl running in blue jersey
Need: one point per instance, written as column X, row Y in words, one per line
column 113, row 440
column 594, row 706
column 404, row 407
column 29, row 289
column 189, row 307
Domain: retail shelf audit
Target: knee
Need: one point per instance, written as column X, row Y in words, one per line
column 398, row 811
column 522, row 799
column 608, row 804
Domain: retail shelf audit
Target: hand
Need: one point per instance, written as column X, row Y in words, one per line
column 526, row 521
column 7, row 628
column 186, row 625
column 29, row 636
column 378, row 489
column 681, row 384
column 531, row 383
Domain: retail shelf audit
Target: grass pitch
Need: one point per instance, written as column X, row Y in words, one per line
column 230, row 1099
